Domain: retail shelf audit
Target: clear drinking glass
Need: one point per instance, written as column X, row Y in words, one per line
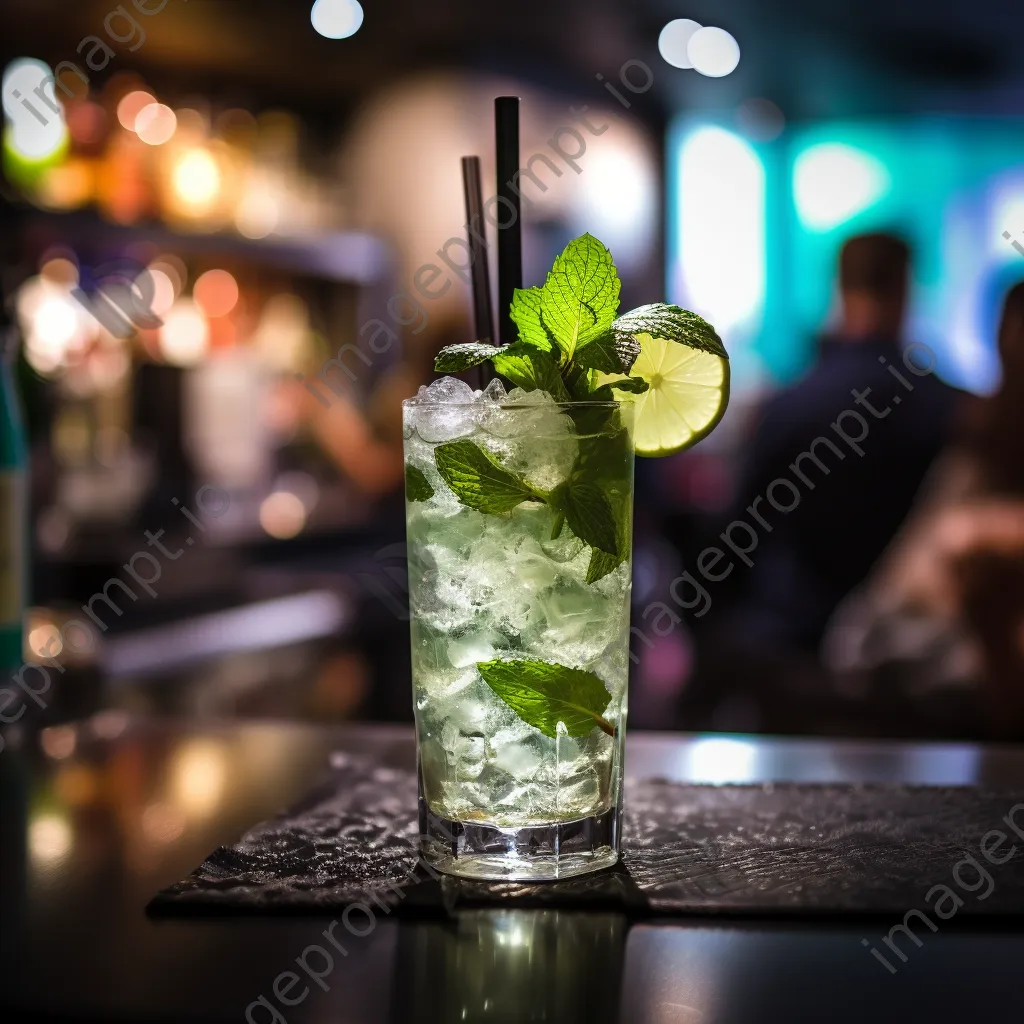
column 501, row 798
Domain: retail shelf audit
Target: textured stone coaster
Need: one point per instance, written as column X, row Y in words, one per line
column 774, row 850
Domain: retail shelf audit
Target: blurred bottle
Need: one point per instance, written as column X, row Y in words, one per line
column 13, row 504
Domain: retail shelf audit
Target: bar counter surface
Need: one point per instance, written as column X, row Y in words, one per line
column 97, row 816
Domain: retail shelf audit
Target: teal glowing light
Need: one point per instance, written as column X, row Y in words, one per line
column 720, row 228
column 833, row 182
column 755, row 230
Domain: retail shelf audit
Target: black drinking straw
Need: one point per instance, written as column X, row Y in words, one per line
column 508, row 213
column 483, row 329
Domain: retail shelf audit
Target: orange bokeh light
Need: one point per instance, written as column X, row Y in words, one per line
column 131, row 106
column 155, row 124
column 217, row 292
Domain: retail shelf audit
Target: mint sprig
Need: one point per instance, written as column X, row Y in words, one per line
column 478, row 481
column 588, row 513
column 482, row 483
column 456, row 358
column 673, row 323
column 613, row 352
column 531, row 368
column 544, row 694
column 417, row 486
column 569, row 335
column 581, row 295
column 526, row 314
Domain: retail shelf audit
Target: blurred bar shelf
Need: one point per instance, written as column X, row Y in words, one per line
column 351, row 257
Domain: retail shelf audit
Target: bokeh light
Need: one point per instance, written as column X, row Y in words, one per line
column 336, row 19
column 54, row 327
column 34, row 142
column 185, row 335
column 60, row 270
column 282, row 515
column 257, row 214
column 674, row 41
column 198, row 777
column 217, row 292
column 20, row 80
column 131, row 106
column 44, row 641
column 196, row 180
column 50, row 839
column 833, row 182
column 713, row 52
column 58, row 741
column 173, row 269
column 163, row 290
column 156, row 124
column 68, row 184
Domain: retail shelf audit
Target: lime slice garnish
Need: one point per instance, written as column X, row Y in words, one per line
column 688, row 393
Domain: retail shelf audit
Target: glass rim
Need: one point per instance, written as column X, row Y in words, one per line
column 413, row 403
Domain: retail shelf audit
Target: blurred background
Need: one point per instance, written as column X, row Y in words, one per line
column 212, row 200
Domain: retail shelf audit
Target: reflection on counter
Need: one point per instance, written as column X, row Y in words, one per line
column 511, row 966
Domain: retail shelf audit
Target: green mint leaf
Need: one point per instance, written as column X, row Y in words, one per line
column 531, row 369
column 581, row 294
column 611, row 353
column 525, row 312
column 556, row 529
column 632, row 385
column 478, row 481
column 543, row 694
column 673, row 324
column 588, row 513
column 605, row 453
column 601, row 563
column 417, row 486
column 456, row 358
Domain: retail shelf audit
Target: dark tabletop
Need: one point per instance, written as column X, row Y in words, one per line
column 97, row 817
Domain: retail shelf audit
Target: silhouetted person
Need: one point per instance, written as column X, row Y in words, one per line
column 943, row 611
column 850, row 504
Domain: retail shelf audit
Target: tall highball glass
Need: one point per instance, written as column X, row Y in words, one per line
column 520, row 631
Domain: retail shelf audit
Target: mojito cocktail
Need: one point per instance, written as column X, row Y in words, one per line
column 519, row 629
column 519, row 516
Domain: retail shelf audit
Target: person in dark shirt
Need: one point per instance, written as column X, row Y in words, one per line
column 849, row 511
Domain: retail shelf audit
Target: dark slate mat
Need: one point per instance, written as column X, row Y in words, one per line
column 776, row 849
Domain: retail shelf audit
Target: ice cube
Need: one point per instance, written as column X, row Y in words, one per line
column 443, row 411
column 519, row 396
column 444, row 392
column 516, row 750
column 494, row 392
column 580, row 794
column 476, row 646
column 441, row 422
column 465, row 753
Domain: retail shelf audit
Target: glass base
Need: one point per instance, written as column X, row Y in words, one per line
column 533, row 853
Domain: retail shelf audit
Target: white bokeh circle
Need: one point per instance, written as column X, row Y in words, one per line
column 337, row 19
column 713, row 52
column 674, row 41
